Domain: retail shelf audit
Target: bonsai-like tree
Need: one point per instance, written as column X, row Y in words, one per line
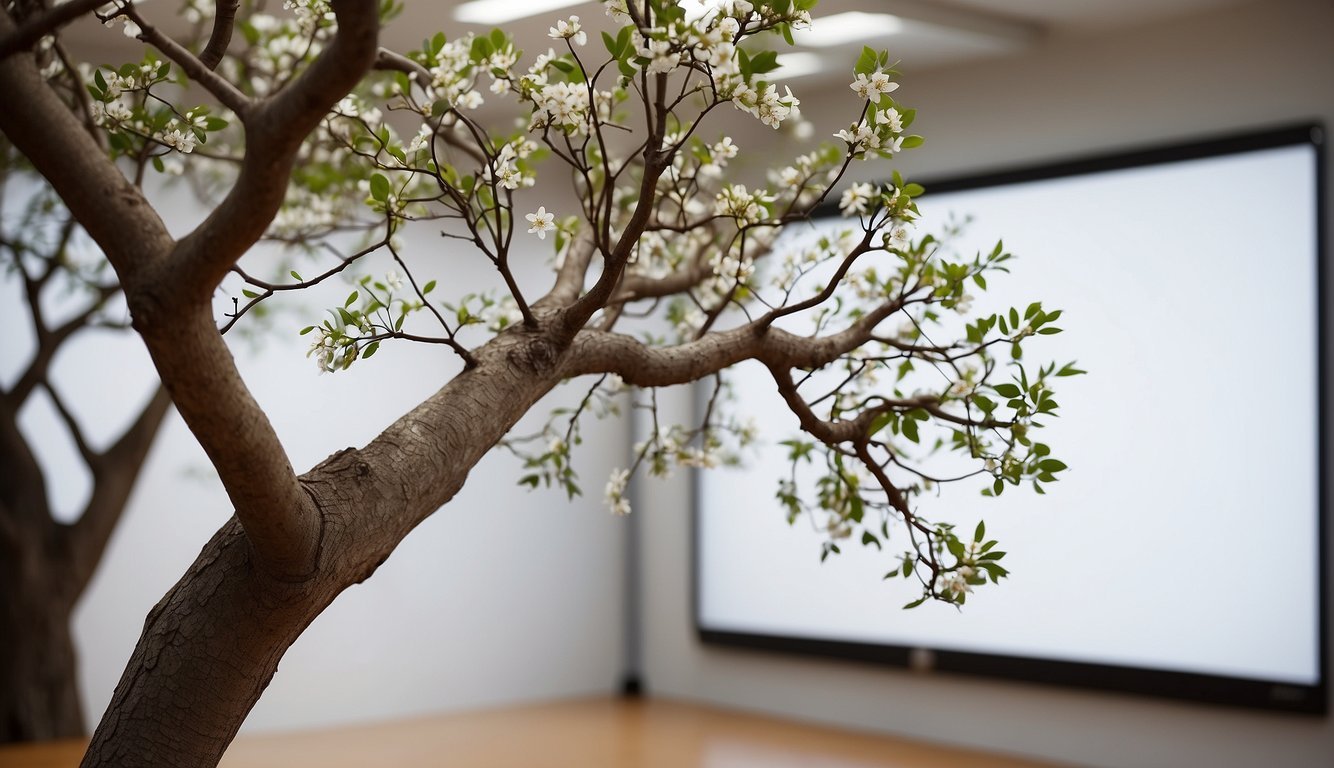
column 664, row 273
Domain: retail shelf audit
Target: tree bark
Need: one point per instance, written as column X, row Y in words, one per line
column 212, row 645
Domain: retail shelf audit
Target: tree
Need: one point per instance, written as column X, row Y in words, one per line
column 296, row 140
column 45, row 564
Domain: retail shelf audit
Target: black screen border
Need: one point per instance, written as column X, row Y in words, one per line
column 1158, row 683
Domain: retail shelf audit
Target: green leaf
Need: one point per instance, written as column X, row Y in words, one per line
column 909, row 427
column 869, row 538
column 1051, row 465
column 912, row 142
column 379, row 187
column 913, row 190
column 430, row 286
column 765, row 61
column 915, row 603
column 980, row 531
column 351, row 299
column 1008, row 390
column 295, row 276
column 370, row 349
column 866, row 62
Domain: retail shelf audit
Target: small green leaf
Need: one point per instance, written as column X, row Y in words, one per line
column 379, row 187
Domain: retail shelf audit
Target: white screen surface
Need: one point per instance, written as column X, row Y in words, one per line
column 1184, row 536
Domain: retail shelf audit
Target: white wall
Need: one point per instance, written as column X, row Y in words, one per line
column 504, row 596
column 1247, row 67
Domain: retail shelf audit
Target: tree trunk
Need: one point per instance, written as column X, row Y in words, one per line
column 208, row 649
column 213, row 643
column 39, row 694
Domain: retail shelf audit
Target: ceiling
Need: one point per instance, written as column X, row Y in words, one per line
column 934, row 32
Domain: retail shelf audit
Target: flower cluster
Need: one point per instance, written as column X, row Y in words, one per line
column 124, row 104
column 614, row 493
column 746, row 207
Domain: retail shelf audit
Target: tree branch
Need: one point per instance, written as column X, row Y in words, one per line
column 646, row 366
column 570, row 277
column 224, row 17
column 275, row 130
column 114, row 213
column 198, row 370
column 34, row 29
column 195, row 68
column 89, row 456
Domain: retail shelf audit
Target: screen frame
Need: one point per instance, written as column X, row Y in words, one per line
column 1182, row 686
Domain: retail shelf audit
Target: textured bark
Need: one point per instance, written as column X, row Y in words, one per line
column 212, row 645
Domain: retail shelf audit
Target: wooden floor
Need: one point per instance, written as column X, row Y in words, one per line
column 589, row 733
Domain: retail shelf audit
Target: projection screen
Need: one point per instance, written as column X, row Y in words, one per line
column 1181, row 555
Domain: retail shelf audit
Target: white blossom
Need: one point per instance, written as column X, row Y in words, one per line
column 569, row 29
column 891, row 117
column 617, row 10
column 856, row 199
column 660, row 55
column 898, row 238
column 724, row 149
column 183, row 142
column 469, row 99
column 502, row 314
column 614, row 493
column 871, row 88
column 542, row 222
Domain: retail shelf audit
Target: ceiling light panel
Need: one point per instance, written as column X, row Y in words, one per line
column 841, row 28
column 501, row 11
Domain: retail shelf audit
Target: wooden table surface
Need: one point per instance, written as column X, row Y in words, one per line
column 585, row 733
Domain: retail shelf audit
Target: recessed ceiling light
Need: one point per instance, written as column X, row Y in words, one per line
column 840, row 28
column 501, row 11
column 794, row 65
